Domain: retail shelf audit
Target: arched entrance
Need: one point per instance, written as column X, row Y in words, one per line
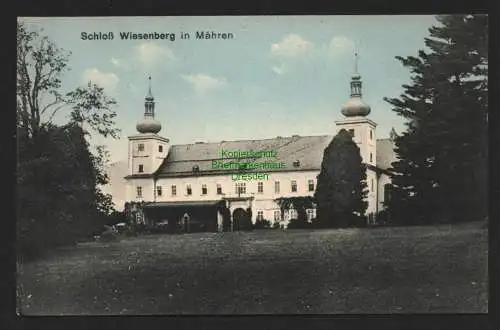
column 239, row 218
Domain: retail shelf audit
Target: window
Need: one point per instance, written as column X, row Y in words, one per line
column 141, row 168
column 204, row 189
column 277, row 215
column 260, row 187
column 294, row 186
column 260, row 215
column 310, row 184
column 139, row 191
column 160, row 148
column 219, row 189
column 371, row 135
column 241, row 188
column 174, row 190
column 158, row 191
column 371, row 185
column 296, row 163
column 196, row 168
column 351, row 131
column 371, row 157
column 387, row 192
column 140, row 147
column 277, row 187
column 188, row 190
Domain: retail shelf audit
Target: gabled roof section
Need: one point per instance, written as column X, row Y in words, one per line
column 307, row 151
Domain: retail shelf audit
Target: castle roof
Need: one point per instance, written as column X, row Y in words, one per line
column 304, row 151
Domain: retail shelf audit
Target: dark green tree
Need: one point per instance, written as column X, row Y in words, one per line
column 59, row 199
column 341, row 190
column 441, row 171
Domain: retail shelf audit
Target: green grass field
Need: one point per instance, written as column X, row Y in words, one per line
column 440, row 269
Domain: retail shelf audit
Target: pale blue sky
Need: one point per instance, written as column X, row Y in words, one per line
column 280, row 75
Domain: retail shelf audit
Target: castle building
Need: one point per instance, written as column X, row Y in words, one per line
column 175, row 182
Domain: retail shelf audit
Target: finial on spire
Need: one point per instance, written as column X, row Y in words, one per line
column 149, row 85
column 355, row 61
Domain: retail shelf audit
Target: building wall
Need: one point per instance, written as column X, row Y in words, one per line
column 263, row 201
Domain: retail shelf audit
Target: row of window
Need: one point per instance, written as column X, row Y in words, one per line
column 240, row 188
column 140, row 147
column 293, row 214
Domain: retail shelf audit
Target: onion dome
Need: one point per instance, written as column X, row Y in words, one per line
column 355, row 106
column 149, row 124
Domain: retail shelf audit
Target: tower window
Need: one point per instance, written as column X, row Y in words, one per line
column 174, row 190
column 260, row 187
column 351, row 131
column 160, row 148
column 219, row 189
column 140, row 147
column 188, row 190
column 204, row 189
column 371, row 157
column 139, row 191
column 158, row 191
column 310, row 184
column 141, row 168
column 294, row 186
column 277, row 187
column 371, row 134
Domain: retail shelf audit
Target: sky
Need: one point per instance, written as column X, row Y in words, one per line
column 278, row 76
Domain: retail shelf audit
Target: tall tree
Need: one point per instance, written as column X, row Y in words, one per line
column 342, row 190
column 59, row 197
column 441, row 172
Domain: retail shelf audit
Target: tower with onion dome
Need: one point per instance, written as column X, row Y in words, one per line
column 362, row 129
column 356, row 121
column 146, row 150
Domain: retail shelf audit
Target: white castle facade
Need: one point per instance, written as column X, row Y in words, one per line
column 172, row 181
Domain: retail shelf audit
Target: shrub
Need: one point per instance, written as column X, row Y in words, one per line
column 262, row 224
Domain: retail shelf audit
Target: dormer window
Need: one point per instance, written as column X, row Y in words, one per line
column 296, row 163
column 160, row 148
column 196, row 168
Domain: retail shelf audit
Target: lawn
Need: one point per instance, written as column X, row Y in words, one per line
column 441, row 269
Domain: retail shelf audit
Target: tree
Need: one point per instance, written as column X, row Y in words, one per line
column 59, row 199
column 441, row 171
column 342, row 188
column 40, row 65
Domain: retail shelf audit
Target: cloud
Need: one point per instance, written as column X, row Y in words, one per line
column 116, row 62
column 149, row 54
column 291, row 46
column 107, row 80
column 279, row 69
column 204, row 83
column 340, row 45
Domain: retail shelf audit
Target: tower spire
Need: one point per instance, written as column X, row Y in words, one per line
column 355, row 61
column 148, row 124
